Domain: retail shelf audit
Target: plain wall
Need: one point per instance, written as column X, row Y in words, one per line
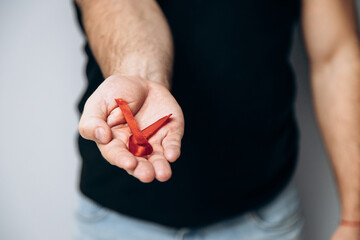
column 41, row 79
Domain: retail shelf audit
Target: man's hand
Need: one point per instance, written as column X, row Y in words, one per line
column 103, row 122
column 346, row 233
column 132, row 43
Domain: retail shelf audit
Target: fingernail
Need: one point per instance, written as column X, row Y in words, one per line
column 100, row 134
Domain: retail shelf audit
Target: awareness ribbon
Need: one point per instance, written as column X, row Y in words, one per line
column 138, row 141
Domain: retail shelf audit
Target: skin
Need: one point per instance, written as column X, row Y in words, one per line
column 144, row 98
column 132, row 43
column 331, row 38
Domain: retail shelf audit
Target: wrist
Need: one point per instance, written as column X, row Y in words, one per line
column 350, row 208
column 151, row 70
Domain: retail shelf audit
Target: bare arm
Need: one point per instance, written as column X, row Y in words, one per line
column 332, row 43
column 129, row 37
column 132, row 44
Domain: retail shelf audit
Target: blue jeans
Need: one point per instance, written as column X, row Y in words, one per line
column 281, row 219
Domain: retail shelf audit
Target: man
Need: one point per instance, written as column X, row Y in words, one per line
column 231, row 77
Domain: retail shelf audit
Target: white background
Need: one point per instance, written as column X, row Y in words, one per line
column 41, row 79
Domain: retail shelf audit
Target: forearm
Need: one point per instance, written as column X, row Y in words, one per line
column 336, row 88
column 129, row 37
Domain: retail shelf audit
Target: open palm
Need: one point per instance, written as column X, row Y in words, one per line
column 103, row 122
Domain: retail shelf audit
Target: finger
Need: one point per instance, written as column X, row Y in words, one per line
column 92, row 125
column 161, row 165
column 115, row 118
column 144, row 171
column 116, row 153
column 172, row 145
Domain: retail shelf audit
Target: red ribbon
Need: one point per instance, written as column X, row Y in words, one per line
column 138, row 141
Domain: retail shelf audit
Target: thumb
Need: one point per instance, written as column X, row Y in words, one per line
column 92, row 125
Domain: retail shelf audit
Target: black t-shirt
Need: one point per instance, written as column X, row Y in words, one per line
column 231, row 59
